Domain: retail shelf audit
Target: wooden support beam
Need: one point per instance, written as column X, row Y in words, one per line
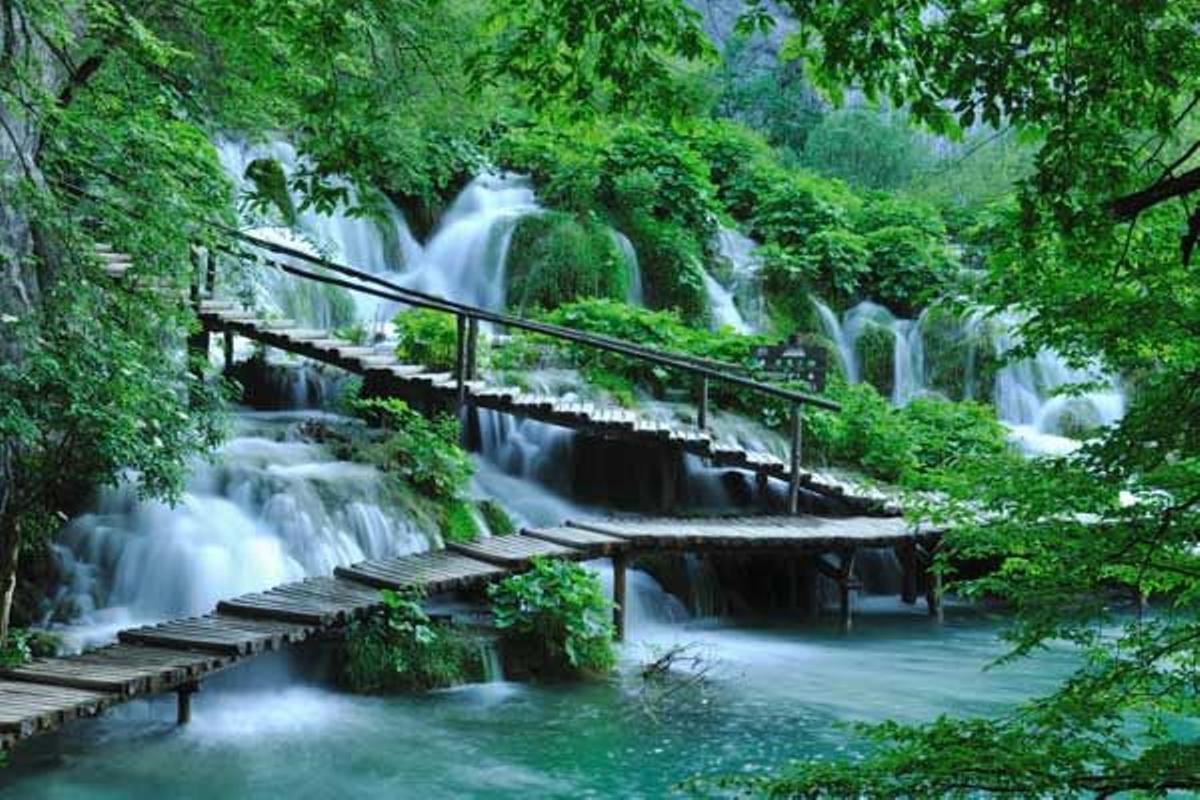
column 907, row 555
column 183, row 702
column 460, row 360
column 472, row 349
column 702, row 410
column 934, row 597
column 228, row 350
column 619, row 593
column 797, row 441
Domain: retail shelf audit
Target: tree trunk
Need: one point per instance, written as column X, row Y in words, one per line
column 10, row 552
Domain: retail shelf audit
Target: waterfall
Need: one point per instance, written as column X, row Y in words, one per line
column 740, row 304
column 724, row 312
column 637, row 290
column 464, row 261
column 268, row 509
column 1025, row 392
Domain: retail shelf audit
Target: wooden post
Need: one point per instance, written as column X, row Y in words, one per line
column 228, row 350
column 210, row 276
column 908, row 581
column 183, row 702
column 197, row 268
column 702, row 411
column 845, row 582
column 794, row 482
column 472, row 349
column 460, row 360
column 934, row 597
column 618, row 568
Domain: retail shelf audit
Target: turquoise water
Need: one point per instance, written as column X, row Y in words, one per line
column 772, row 692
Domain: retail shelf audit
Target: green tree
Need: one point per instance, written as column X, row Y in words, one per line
column 1092, row 258
column 107, row 114
column 579, row 57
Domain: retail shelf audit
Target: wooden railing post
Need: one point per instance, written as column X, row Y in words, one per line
column 210, row 274
column 197, row 269
column 794, row 477
column 460, row 359
column 472, row 349
column 702, row 412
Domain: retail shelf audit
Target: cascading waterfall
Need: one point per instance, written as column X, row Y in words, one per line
column 377, row 245
column 464, row 261
column 269, row 509
column 1025, row 392
column 739, row 305
column 637, row 289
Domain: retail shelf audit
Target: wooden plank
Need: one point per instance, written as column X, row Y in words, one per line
column 588, row 541
column 436, row 571
column 514, row 552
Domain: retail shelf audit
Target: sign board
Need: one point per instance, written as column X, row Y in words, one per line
column 793, row 361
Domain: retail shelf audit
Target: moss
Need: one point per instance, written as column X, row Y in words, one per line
column 556, row 258
column 497, row 519
column 960, row 356
column 459, row 523
column 875, row 350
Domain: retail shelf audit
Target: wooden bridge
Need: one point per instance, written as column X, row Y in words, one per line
column 175, row 656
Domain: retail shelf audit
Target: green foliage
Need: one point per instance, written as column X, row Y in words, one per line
column 427, row 337
column 875, row 350
column 399, row 648
column 576, row 57
column 554, row 258
column 459, row 523
column 909, row 446
column 772, row 98
column 92, row 400
column 498, row 521
column 908, row 269
column 866, row 148
column 560, row 606
column 423, row 452
column 643, row 181
column 15, row 650
column 356, row 333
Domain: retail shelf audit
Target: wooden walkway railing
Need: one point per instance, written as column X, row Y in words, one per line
column 469, row 317
column 175, row 656
column 387, row 376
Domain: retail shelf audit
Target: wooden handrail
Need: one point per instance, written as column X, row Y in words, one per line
column 391, row 291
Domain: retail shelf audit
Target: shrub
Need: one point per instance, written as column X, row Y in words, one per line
column 875, row 350
column 498, row 521
column 672, row 181
column 458, row 523
column 427, row 337
column 423, row 452
column 555, row 258
column 16, row 649
column 797, row 205
column 559, row 607
column 908, row 268
column 737, row 159
column 901, row 445
column 399, row 648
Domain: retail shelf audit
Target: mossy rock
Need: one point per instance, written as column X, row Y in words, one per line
column 459, row 522
column 555, row 258
column 498, row 521
column 960, row 355
column 1076, row 419
column 875, row 351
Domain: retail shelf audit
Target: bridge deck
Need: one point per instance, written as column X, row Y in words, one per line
column 46, row 693
column 588, row 418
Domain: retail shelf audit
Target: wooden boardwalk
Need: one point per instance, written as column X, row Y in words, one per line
column 174, row 656
column 412, row 381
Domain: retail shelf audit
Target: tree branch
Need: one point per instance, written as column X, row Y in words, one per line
column 1130, row 205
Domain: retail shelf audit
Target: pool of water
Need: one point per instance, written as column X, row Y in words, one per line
column 773, row 691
